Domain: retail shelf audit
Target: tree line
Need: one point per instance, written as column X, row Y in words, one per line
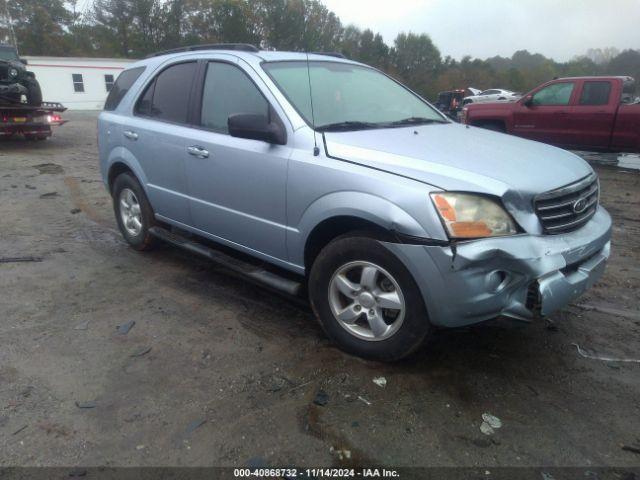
column 136, row 28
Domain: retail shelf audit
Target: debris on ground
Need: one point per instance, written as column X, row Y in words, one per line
column 124, row 329
column 551, row 325
column 20, row 429
column 604, row 358
column 300, row 385
column 341, row 454
column 193, row 426
column 20, row 259
column 141, row 352
column 364, row 400
column 87, row 404
column 490, row 423
column 49, row 195
column 380, row 381
column 139, row 447
column 631, row 448
column 73, row 211
column 82, row 326
column 321, row 398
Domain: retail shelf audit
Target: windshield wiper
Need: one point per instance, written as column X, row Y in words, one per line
column 416, row 121
column 348, row 125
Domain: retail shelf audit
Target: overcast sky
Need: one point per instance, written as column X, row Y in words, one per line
column 558, row 29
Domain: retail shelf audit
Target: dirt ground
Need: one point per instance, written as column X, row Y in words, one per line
column 233, row 369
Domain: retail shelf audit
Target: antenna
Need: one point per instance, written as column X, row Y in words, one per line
column 316, row 150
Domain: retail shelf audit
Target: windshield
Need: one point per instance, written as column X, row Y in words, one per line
column 348, row 97
column 8, row 54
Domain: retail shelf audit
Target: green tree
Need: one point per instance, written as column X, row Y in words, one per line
column 416, row 60
column 39, row 26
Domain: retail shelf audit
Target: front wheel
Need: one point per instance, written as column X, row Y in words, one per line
column 34, row 93
column 366, row 300
column 133, row 212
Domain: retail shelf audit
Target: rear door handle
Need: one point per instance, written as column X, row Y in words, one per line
column 197, row 151
column 131, row 135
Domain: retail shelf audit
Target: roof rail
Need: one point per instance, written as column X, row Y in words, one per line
column 243, row 47
column 330, row 54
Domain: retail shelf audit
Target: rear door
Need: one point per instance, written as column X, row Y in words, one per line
column 156, row 136
column 593, row 115
column 546, row 119
column 237, row 186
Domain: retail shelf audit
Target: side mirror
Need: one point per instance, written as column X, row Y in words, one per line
column 24, row 61
column 256, row 127
column 528, row 101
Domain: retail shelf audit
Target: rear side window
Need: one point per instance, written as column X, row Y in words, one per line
column 595, row 93
column 167, row 97
column 228, row 90
column 121, row 87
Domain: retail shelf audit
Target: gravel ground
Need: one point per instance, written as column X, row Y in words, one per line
column 216, row 371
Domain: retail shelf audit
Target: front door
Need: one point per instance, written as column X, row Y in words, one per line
column 546, row 118
column 237, row 186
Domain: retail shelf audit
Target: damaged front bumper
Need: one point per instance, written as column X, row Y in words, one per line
column 521, row 276
column 13, row 89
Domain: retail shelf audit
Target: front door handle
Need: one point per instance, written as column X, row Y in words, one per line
column 131, row 135
column 198, row 151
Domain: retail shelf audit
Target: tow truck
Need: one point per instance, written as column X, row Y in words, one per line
column 34, row 122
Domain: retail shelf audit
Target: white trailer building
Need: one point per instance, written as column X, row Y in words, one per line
column 77, row 83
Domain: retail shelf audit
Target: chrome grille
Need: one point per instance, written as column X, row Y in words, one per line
column 568, row 208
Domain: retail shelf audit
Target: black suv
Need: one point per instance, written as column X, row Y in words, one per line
column 15, row 80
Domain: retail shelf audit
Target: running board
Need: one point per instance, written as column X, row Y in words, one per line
column 252, row 272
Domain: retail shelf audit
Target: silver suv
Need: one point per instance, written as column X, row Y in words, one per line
column 320, row 176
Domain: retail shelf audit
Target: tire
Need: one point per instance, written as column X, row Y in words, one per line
column 34, row 93
column 403, row 330
column 128, row 191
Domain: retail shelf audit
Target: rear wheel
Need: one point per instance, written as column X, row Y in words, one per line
column 366, row 299
column 133, row 212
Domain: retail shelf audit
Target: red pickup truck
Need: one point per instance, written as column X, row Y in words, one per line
column 582, row 113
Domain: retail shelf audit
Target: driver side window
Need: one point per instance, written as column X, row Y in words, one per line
column 556, row 94
column 228, row 90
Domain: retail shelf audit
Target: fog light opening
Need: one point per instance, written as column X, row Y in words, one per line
column 497, row 280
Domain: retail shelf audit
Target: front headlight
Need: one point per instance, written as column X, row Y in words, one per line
column 13, row 72
column 466, row 215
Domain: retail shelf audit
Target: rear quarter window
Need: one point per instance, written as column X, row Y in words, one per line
column 121, row 87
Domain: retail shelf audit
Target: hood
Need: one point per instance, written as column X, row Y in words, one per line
column 457, row 157
column 15, row 64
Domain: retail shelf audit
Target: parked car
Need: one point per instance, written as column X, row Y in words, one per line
column 492, row 95
column 450, row 102
column 325, row 177
column 17, row 84
column 583, row 113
